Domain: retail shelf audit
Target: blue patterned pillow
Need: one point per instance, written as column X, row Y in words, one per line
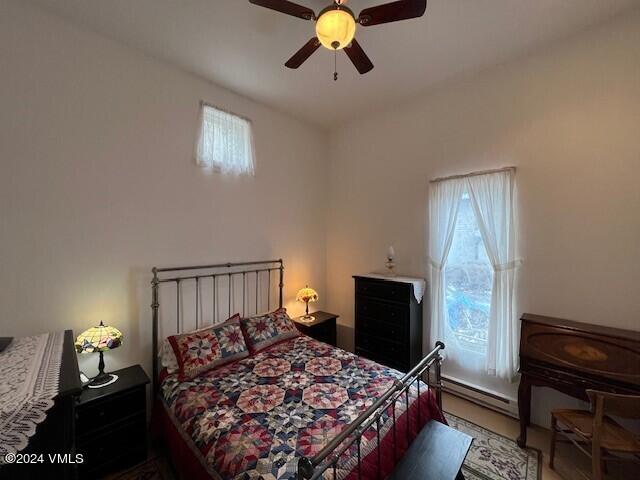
column 208, row 348
column 263, row 331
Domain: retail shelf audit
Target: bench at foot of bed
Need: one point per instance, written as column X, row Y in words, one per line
column 437, row 453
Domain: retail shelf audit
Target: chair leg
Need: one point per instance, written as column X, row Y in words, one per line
column 596, row 463
column 552, row 448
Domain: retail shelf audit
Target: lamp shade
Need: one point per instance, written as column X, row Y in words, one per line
column 307, row 295
column 98, row 339
column 336, row 27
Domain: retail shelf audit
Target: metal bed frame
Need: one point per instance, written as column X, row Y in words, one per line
column 427, row 371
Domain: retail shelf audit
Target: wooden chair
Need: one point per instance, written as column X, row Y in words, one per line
column 595, row 433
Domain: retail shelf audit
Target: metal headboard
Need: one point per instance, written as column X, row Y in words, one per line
column 195, row 275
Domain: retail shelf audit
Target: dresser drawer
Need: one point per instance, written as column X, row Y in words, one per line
column 95, row 416
column 389, row 291
column 396, row 332
column 392, row 313
column 380, row 358
column 388, row 322
column 389, row 348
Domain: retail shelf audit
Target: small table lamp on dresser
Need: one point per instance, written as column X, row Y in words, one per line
column 99, row 339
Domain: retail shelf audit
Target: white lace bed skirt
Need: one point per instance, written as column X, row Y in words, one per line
column 29, row 375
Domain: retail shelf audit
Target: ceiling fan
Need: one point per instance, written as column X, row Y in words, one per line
column 336, row 26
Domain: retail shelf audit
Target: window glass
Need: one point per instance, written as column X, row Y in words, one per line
column 469, row 280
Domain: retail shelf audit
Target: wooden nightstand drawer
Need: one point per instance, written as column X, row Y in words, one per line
column 322, row 328
column 325, row 332
column 100, row 414
column 129, row 440
column 111, row 423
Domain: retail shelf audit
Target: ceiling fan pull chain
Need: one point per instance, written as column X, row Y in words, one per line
column 335, row 65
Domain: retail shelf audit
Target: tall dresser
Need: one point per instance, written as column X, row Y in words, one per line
column 388, row 322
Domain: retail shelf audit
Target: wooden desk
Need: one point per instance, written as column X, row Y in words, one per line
column 572, row 357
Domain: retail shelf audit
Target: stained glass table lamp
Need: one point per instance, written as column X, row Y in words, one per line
column 99, row 339
column 307, row 295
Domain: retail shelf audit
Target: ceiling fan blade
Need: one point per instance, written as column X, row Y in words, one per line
column 392, row 12
column 304, row 53
column 287, row 7
column 358, row 57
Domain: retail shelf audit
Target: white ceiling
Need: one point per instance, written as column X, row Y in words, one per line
column 243, row 47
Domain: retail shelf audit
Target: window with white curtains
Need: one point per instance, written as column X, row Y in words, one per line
column 468, row 283
column 225, row 142
column 472, row 251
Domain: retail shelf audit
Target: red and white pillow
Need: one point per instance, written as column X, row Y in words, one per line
column 262, row 331
column 208, row 348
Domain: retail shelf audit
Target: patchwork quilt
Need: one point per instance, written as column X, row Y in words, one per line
column 251, row 419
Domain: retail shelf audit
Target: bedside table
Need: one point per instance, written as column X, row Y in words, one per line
column 323, row 328
column 111, row 423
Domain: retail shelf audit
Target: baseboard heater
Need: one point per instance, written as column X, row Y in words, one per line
column 480, row 396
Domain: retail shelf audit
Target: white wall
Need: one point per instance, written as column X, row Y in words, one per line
column 97, row 184
column 568, row 117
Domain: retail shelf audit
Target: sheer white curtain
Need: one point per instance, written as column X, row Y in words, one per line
column 225, row 142
column 444, row 200
column 492, row 197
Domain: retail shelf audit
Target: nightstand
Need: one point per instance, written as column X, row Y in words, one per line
column 111, row 423
column 323, row 328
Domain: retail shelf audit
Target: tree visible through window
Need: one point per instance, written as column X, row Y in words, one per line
column 468, row 280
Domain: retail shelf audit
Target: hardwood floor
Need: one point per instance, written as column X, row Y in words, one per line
column 571, row 464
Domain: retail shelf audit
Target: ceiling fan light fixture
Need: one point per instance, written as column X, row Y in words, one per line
column 336, row 27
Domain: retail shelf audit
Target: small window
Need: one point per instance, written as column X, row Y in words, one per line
column 225, row 142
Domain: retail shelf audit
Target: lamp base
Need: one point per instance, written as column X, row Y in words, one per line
column 102, row 380
column 390, row 266
column 307, row 318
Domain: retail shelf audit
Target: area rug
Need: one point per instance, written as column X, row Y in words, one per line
column 494, row 457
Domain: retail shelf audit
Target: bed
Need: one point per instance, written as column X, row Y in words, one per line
column 299, row 409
